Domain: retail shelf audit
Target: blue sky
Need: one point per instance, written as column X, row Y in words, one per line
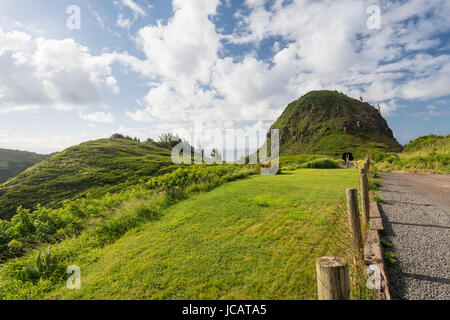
column 142, row 67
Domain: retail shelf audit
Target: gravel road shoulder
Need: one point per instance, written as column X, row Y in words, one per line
column 416, row 217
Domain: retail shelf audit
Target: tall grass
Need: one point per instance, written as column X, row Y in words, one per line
column 426, row 154
column 342, row 239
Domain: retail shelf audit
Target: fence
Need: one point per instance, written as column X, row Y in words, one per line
column 333, row 281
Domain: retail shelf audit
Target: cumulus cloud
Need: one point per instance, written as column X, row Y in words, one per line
column 319, row 45
column 187, row 46
column 40, row 72
column 192, row 73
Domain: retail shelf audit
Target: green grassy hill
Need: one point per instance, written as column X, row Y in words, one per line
column 254, row 238
column 330, row 123
column 430, row 153
column 93, row 167
column 13, row 162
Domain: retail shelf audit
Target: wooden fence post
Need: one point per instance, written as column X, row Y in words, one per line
column 333, row 282
column 367, row 166
column 365, row 199
column 355, row 224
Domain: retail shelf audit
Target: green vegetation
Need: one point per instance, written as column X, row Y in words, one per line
column 255, row 238
column 323, row 163
column 142, row 228
column 90, row 169
column 294, row 161
column 374, row 185
column 391, row 258
column 45, row 266
column 289, row 163
column 429, row 153
column 330, row 123
column 29, row 229
column 13, row 162
column 385, row 244
column 377, row 199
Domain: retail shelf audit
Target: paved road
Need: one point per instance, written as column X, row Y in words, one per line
column 416, row 217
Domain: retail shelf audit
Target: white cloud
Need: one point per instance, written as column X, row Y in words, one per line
column 111, row 83
column 137, row 9
column 104, row 117
column 46, row 72
column 123, row 22
column 102, row 24
column 187, row 46
column 388, row 109
column 326, row 45
column 191, row 75
column 44, row 141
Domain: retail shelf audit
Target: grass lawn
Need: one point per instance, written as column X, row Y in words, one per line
column 256, row 238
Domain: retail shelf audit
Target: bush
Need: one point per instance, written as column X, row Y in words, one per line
column 44, row 266
column 324, row 163
column 392, row 158
column 29, row 229
column 175, row 184
column 378, row 156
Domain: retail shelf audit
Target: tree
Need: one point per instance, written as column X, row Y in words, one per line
column 121, row 136
column 168, row 139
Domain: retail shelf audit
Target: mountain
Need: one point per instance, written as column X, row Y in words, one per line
column 331, row 123
column 97, row 167
column 13, row 162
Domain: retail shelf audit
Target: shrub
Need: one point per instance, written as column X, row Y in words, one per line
column 175, row 184
column 392, row 158
column 391, row 258
column 378, row 156
column 45, row 266
column 324, row 163
column 374, row 185
column 28, row 229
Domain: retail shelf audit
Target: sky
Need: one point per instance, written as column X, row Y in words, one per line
column 77, row 70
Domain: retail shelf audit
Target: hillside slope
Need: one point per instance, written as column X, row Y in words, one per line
column 430, row 153
column 13, row 162
column 428, row 143
column 331, row 123
column 97, row 167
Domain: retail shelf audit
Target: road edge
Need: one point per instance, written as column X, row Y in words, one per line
column 373, row 251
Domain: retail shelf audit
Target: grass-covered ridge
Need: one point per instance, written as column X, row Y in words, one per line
column 430, row 153
column 13, row 162
column 331, row 123
column 255, row 238
column 91, row 168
